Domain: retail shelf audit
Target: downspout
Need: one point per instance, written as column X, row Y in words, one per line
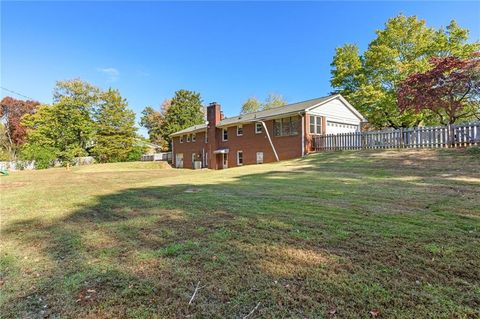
column 173, row 156
column 303, row 133
column 270, row 140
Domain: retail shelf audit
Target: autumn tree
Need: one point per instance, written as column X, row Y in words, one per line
column 252, row 104
column 114, row 128
column 450, row 89
column 154, row 121
column 370, row 81
column 274, row 100
column 13, row 132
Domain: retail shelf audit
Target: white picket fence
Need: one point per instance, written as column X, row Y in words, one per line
column 461, row 135
column 163, row 156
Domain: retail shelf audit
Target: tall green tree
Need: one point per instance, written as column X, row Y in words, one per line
column 80, row 99
column 185, row 110
column 83, row 120
column 60, row 128
column 370, row 81
column 115, row 130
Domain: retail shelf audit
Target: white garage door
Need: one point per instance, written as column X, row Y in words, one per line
column 338, row 127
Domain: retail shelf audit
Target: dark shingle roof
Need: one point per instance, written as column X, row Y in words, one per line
column 260, row 115
column 286, row 109
column 191, row 129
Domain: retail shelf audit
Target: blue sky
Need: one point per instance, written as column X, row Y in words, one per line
column 227, row 51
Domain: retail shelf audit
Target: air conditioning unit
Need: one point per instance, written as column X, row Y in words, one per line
column 197, row 165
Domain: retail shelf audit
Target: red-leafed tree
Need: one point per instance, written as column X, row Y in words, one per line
column 11, row 113
column 450, row 89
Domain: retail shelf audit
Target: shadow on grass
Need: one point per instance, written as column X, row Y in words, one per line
column 301, row 241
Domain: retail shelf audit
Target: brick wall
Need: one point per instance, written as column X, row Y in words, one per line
column 250, row 143
column 287, row 147
column 188, row 148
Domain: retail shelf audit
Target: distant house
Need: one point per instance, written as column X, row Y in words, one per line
column 276, row 134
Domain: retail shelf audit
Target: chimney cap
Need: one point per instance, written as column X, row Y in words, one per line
column 213, row 103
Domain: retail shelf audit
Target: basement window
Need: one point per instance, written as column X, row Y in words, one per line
column 225, row 135
column 239, row 158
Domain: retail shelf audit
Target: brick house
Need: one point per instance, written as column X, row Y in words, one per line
column 266, row 136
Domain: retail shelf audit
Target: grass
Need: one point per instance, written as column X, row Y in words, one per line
column 340, row 235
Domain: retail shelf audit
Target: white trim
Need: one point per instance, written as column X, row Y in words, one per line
column 223, row 134
column 316, row 118
column 194, row 137
column 238, row 163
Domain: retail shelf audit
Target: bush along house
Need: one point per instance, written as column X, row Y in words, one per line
column 266, row 136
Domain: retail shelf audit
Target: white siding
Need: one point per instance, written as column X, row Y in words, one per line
column 336, row 111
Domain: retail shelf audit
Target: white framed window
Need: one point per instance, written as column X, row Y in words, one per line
column 259, row 157
column 239, row 158
column 188, row 138
column 315, row 124
column 286, row 126
column 239, row 130
column 258, row 128
column 225, row 135
column 181, row 138
column 194, row 137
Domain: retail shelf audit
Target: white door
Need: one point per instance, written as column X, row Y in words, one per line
column 225, row 160
column 179, row 160
column 339, row 127
column 259, row 157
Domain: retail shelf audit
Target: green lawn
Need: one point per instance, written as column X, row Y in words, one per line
column 391, row 234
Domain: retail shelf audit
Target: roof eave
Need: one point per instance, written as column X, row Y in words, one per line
column 180, row 133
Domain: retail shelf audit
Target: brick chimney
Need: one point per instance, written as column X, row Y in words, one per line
column 214, row 116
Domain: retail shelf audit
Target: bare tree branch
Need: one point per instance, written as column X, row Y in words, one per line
column 251, row 312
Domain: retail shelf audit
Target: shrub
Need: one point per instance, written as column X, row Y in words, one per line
column 136, row 153
column 43, row 157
